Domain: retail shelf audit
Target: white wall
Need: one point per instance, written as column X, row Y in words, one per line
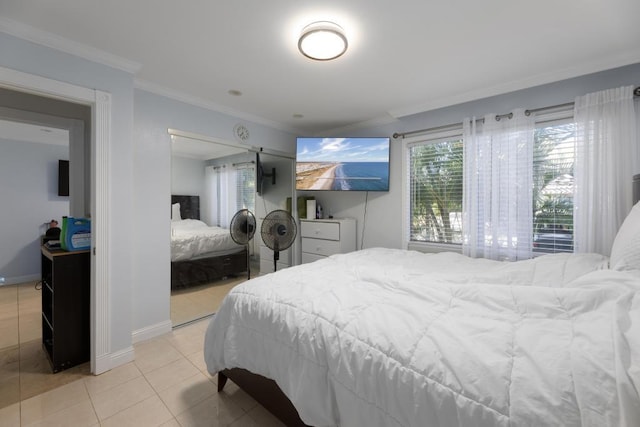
column 384, row 211
column 29, row 191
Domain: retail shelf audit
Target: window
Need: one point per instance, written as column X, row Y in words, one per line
column 553, row 158
column 246, row 188
column 435, row 191
column 434, row 183
column 230, row 188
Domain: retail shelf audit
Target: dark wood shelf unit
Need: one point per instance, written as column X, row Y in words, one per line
column 66, row 283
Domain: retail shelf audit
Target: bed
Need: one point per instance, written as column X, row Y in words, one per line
column 200, row 253
column 384, row 337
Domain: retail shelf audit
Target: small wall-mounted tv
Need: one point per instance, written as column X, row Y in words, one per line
column 63, row 177
column 342, row 164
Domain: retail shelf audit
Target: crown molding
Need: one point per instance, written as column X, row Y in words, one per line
column 44, row 38
column 203, row 103
column 585, row 68
column 343, row 130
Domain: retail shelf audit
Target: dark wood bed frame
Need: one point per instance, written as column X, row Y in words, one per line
column 203, row 270
column 266, row 392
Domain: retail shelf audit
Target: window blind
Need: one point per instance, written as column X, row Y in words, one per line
column 245, row 187
column 553, row 187
column 435, row 187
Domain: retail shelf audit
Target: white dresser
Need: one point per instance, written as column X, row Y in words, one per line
column 324, row 237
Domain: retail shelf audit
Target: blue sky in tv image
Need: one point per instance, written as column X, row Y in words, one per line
column 342, row 150
column 356, row 164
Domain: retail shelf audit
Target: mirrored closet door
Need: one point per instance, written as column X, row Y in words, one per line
column 211, row 181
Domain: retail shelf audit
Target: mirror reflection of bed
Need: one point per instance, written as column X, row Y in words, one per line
column 210, row 182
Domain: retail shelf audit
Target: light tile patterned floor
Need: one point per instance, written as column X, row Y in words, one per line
column 24, row 369
column 167, row 385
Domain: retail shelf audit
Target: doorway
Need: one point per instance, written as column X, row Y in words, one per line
column 31, row 146
column 99, row 103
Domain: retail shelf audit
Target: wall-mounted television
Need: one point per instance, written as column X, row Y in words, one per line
column 342, row 164
column 63, row 177
column 262, row 175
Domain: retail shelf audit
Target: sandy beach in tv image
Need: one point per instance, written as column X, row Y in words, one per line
column 315, row 175
column 342, row 164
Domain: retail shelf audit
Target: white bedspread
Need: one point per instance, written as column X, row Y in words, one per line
column 191, row 238
column 385, row 337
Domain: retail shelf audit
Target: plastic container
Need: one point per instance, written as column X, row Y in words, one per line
column 75, row 234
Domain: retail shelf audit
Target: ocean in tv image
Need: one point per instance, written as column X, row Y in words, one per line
column 362, row 176
column 342, row 164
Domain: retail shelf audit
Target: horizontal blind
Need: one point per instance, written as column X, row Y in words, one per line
column 435, row 191
column 245, row 187
column 553, row 161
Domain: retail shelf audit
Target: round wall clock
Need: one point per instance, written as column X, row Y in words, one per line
column 241, row 133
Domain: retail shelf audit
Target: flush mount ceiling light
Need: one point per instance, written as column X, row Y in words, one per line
column 322, row 41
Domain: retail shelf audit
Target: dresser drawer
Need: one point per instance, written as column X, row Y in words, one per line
column 320, row 247
column 310, row 257
column 320, row 230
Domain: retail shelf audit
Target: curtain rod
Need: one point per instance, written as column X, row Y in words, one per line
column 242, row 163
column 636, row 93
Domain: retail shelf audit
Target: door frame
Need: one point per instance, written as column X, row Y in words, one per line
column 100, row 103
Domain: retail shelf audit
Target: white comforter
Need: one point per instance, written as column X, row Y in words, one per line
column 191, row 238
column 385, row 337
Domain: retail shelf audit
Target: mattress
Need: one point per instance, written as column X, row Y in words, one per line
column 385, row 337
column 193, row 239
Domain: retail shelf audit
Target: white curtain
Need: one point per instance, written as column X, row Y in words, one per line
column 211, row 189
column 221, row 183
column 606, row 159
column 498, row 187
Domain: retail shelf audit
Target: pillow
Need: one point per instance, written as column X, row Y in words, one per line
column 625, row 252
column 175, row 212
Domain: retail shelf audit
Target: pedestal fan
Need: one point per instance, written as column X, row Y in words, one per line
column 242, row 229
column 278, row 232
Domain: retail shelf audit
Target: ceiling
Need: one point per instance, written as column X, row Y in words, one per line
column 18, row 131
column 403, row 58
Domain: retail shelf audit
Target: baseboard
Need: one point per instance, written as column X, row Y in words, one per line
column 151, row 331
column 113, row 360
column 123, row 356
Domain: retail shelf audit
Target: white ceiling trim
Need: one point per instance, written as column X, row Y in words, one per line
column 203, row 103
column 54, row 41
column 540, row 79
column 344, row 130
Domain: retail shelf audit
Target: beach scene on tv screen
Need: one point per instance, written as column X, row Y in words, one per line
column 359, row 164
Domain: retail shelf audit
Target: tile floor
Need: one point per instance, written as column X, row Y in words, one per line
column 24, row 368
column 167, row 385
